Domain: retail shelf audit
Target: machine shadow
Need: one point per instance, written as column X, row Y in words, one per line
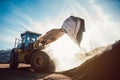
column 23, row 73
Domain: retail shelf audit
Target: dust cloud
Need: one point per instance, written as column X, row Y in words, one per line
column 67, row 55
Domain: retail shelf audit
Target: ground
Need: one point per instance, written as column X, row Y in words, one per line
column 25, row 73
column 105, row 66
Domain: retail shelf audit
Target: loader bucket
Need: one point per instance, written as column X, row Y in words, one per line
column 74, row 27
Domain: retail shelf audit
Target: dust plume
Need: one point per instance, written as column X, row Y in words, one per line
column 67, row 55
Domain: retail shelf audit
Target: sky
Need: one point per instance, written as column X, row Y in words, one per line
column 101, row 17
column 102, row 22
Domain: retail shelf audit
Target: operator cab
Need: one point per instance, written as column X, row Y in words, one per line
column 28, row 39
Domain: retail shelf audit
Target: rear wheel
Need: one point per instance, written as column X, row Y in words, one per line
column 13, row 60
column 40, row 61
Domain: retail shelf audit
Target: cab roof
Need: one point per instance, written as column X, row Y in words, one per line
column 30, row 33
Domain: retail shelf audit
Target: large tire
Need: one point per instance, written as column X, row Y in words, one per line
column 13, row 60
column 40, row 61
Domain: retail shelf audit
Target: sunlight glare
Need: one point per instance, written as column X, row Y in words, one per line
column 64, row 51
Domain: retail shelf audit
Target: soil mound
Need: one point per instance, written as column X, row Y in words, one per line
column 105, row 66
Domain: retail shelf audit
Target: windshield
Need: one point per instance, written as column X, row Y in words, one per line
column 23, row 38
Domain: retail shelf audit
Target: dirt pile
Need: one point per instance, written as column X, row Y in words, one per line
column 105, row 66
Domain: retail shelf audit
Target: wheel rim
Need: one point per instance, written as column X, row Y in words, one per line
column 38, row 61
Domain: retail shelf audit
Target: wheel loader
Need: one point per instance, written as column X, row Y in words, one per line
column 30, row 49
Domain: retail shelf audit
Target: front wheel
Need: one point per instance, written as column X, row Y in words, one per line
column 13, row 60
column 40, row 61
